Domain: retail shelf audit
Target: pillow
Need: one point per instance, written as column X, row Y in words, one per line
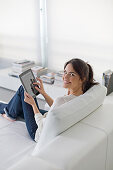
column 63, row 117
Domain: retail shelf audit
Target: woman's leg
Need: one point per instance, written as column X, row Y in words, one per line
column 29, row 115
column 2, row 106
column 17, row 107
column 14, row 108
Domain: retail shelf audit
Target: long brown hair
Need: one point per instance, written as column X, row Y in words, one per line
column 85, row 72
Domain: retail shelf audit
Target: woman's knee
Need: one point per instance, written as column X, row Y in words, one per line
column 21, row 89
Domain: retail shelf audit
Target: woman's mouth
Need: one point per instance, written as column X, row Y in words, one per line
column 66, row 82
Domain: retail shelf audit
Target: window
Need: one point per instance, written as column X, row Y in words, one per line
column 20, row 29
column 69, row 28
column 78, row 28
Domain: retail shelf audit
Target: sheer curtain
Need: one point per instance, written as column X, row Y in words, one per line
column 75, row 28
column 80, row 28
column 20, row 29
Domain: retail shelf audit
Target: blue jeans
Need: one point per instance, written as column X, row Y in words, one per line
column 17, row 107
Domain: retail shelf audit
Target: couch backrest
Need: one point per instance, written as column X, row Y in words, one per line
column 60, row 119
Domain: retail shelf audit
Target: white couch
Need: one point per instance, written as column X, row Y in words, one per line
column 87, row 145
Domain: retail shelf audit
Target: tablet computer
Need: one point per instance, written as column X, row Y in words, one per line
column 27, row 79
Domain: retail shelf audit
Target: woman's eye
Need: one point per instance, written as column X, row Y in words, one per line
column 72, row 74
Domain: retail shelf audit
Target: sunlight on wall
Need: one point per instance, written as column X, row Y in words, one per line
column 81, row 29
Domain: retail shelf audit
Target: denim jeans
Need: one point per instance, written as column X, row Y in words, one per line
column 18, row 107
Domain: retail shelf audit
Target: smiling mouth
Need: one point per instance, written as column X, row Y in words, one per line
column 66, row 82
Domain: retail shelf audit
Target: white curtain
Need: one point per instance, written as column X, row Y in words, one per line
column 80, row 28
column 75, row 28
column 20, row 29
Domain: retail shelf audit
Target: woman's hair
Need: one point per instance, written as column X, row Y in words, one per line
column 85, row 72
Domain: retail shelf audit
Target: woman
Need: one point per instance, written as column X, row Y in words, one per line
column 77, row 78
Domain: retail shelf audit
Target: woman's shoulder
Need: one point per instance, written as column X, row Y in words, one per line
column 61, row 100
column 65, row 98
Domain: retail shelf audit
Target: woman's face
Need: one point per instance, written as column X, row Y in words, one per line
column 71, row 80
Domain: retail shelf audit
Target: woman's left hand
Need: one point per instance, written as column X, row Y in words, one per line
column 29, row 99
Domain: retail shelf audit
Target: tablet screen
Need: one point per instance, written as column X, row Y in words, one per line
column 27, row 78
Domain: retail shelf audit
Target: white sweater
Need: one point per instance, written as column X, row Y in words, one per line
column 40, row 119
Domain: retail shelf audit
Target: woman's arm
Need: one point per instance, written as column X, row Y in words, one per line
column 39, row 118
column 30, row 100
column 48, row 99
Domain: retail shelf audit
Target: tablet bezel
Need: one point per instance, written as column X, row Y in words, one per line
column 23, row 74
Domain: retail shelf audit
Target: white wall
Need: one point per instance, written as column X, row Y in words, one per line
column 19, row 29
column 76, row 28
column 80, row 28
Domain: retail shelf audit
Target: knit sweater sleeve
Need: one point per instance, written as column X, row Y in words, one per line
column 40, row 120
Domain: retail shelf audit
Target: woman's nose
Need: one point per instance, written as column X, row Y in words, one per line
column 66, row 76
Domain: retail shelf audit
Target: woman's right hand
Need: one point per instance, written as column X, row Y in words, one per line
column 48, row 99
column 41, row 87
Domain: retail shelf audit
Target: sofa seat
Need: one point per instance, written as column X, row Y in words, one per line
column 81, row 147
column 88, row 145
column 15, row 142
column 33, row 163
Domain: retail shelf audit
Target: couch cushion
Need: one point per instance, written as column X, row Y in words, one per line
column 4, row 122
column 81, row 147
column 66, row 115
column 30, row 162
column 15, row 142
